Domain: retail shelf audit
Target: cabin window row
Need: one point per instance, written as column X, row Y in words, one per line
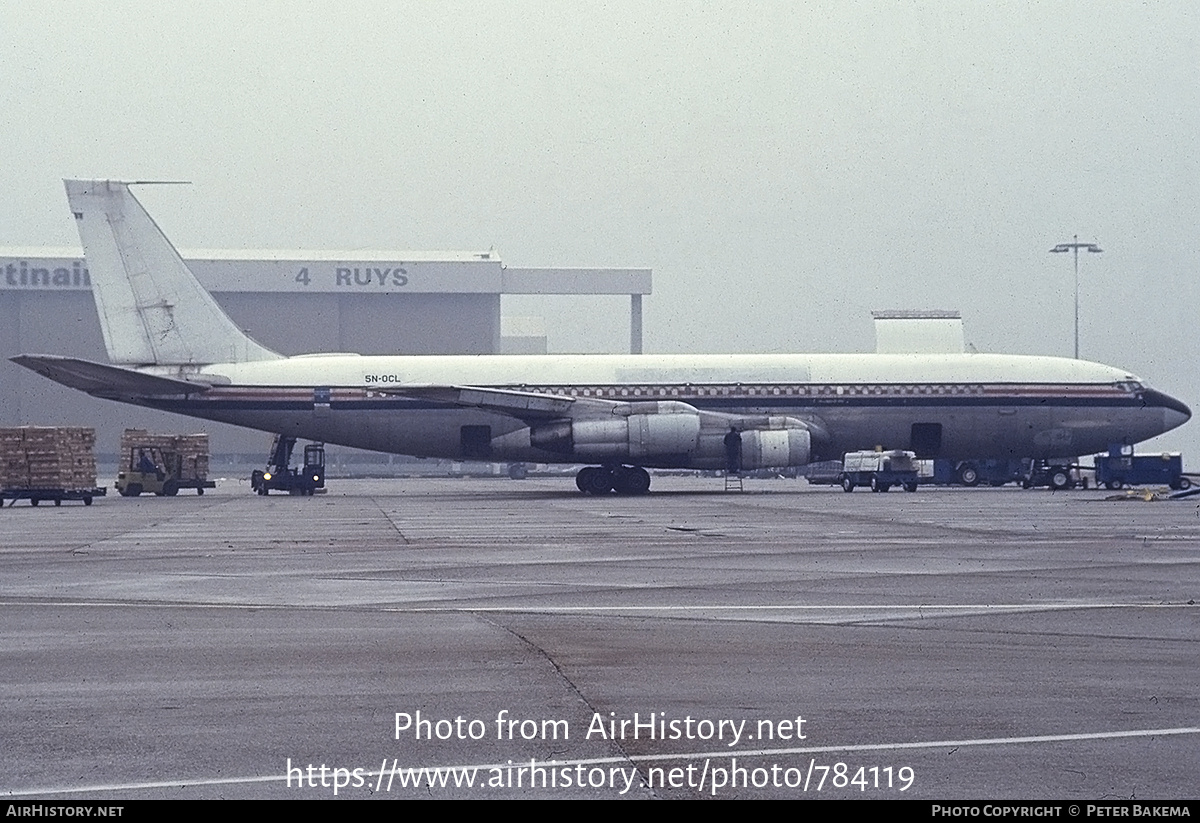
column 761, row 390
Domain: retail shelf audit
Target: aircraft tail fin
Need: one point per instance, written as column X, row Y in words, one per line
column 152, row 309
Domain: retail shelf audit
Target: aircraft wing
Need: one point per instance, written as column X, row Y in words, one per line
column 533, row 407
column 522, row 405
column 103, row 380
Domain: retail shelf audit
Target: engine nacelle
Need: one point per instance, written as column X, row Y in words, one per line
column 632, row 438
column 670, row 433
column 775, row 448
column 766, row 442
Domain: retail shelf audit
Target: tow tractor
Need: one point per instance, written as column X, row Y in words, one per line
column 1057, row 476
column 279, row 474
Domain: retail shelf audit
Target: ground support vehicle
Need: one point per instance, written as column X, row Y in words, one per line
column 154, row 470
column 162, row 464
column 48, row 463
column 880, row 470
column 823, row 473
column 1058, row 477
column 992, row 471
column 279, row 474
column 1121, row 467
column 36, row 496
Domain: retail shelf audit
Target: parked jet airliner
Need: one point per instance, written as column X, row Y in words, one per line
column 171, row 347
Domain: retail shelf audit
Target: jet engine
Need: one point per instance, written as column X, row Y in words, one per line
column 788, row 445
column 671, row 433
column 650, row 430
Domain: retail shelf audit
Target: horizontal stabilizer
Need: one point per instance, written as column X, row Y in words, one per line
column 103, row 380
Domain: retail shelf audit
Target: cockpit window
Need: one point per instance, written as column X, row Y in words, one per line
column 1131, row 386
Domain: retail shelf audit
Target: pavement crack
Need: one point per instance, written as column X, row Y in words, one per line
column 545, row 655
column 390, row 521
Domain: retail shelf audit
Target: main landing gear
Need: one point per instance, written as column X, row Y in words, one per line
column 619, row 479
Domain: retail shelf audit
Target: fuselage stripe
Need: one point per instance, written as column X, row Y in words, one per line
column 706, row 396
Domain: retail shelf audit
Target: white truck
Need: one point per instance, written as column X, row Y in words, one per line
column 880, row 470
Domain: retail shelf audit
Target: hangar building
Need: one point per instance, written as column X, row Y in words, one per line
column 294, row 302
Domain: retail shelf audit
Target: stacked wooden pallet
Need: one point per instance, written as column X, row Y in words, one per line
column 47, row 457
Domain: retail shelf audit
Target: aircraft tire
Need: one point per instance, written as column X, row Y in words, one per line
column 594, row 480
column 632, row 480
column 600, row 481
column 581, row 477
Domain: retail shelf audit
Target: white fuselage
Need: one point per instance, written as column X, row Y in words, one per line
column 702, row 411
column 954, row 405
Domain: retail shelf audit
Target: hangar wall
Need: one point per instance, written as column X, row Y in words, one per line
column 46, row 307
column 295, row 302
column 65, row 322
column 368, row 324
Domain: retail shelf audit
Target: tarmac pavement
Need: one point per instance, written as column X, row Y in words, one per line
column 788, row 641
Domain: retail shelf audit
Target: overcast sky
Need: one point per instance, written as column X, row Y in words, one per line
column 785, row 168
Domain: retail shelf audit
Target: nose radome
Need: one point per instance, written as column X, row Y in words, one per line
column 1175, row 412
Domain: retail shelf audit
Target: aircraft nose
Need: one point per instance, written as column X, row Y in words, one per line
column 1175, row 412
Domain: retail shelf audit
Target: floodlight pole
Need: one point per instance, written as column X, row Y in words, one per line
column 1075, row 246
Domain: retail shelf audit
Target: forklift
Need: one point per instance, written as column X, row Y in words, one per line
column 156, row 471
column 279, row 474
